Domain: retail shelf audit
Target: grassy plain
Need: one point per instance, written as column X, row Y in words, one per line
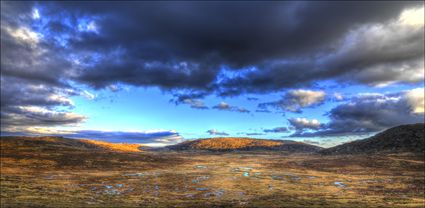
column 58, row 174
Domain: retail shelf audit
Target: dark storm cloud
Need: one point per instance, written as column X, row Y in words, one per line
column 26, row 104
column 28, row 117
column 18, row 92
column 185, row 46
column 181, row 47
column 370, row 113
column 34, row 75
column 240, row 33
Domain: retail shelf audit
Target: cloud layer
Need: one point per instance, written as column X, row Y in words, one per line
column 196, row 49
column 368, row 113
column 295, row 100
column 216, row 132
column 227, row 107
column 152, row 138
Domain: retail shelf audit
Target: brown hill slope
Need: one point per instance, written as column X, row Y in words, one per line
column 40, row 154
column 404, row 138
column 246, row 144
column 60, row 143
column 122, row 147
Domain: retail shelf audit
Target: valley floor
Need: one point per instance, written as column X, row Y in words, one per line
column 64, row 178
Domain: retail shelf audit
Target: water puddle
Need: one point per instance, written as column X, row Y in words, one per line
column 128, row 190
column 219, row 193
column 277, row 177
column 239, row 169
column 190, row 195
column 201, row 167
column 112, row 192
column 340, row 184
column 370, row 181
column 201, row 178
column 142, row 174
column 134, row 174
column 293, row 176
column 111, row 189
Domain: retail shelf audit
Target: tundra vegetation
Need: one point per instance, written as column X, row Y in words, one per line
column 60, row 172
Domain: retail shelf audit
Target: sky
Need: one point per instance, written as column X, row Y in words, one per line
column 159, row 73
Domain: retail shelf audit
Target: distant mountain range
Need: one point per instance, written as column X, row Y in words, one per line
column 405, row 138
column 244, row 144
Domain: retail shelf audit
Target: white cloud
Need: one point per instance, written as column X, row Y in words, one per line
column 92, row 26
column 338, row 96
column 304, row 123
column 413, row 17
column 381, row 54
column 307, row 97
column 195, row 103
column 60, row 99
column 227, row 107
column 88, row 95
column 24, row 35
column 222, row 106
column 216, row 132
column 415, row 98
column 35, row 14
column 34, row 119
column 371, row 112
column 50, row 114
column 295, row 100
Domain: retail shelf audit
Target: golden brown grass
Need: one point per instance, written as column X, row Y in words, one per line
column 232, row 143
column 122, row 147
column 37, row 174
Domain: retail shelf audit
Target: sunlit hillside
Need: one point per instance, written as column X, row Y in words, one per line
column 123, row 147
column 59, row 143
column 235, row 143
column 232, row 143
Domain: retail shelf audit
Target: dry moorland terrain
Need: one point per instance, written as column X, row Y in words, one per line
column 59, row 172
